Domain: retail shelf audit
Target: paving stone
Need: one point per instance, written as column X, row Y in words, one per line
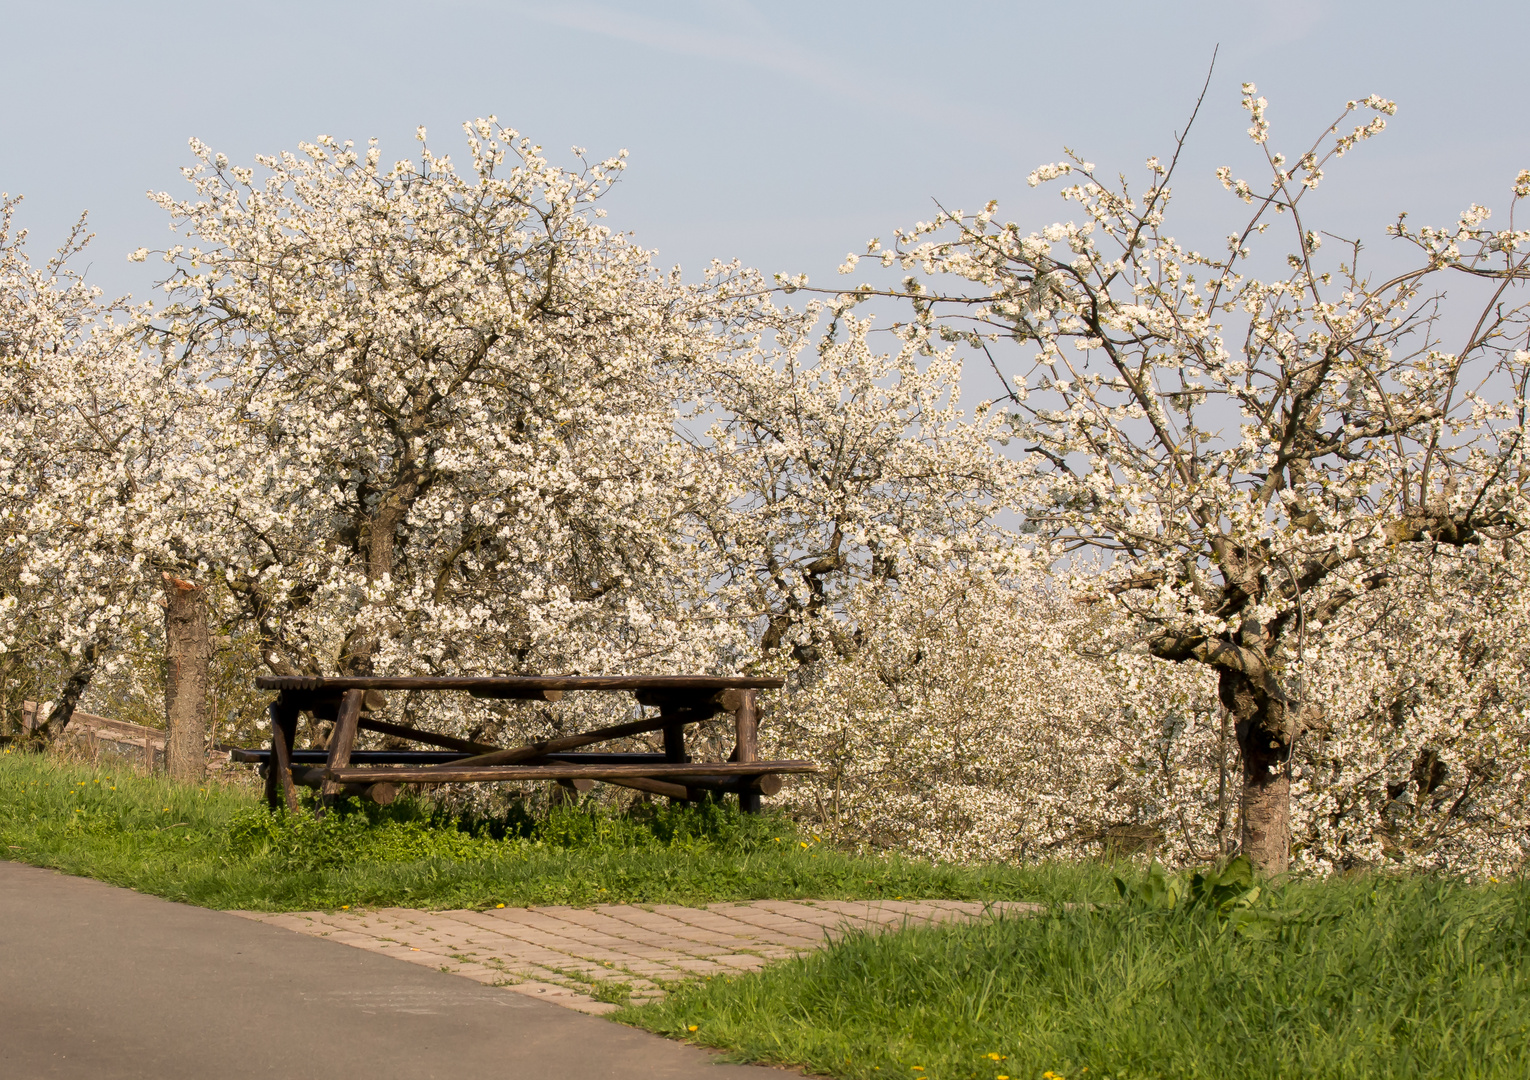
column 701, row 967
column 598, row 921
column 822, row 918
column 712, row 931
column 776, row 928
column 560, row 995
column 666, row 972
column 698, row 916
column 743, row 961
column 531, row 918
column 774, row 953
column 301, row 923
column 347, row 937
column 674, row 937
column 545, row 952
column 864, row 911
column 614, row 950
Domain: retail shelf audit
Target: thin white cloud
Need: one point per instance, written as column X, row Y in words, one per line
column 737, row 33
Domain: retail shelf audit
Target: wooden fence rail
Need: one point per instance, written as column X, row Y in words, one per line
column 129, row 740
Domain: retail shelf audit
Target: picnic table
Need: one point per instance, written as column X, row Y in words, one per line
column 341, row 771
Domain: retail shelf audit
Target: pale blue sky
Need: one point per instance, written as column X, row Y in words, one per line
column 782, row 133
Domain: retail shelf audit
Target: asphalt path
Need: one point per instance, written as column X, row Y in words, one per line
column 107, row 983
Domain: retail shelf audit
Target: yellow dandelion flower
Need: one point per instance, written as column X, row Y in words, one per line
column 692, row 1027
column 499, row 905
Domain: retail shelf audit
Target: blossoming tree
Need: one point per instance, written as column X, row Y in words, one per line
column 1253, row 443
column 91, row 445
column 413, row 419
column 447, row 435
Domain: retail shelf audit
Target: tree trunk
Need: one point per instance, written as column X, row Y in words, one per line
column 74, row 689
column 379, row 534
column 188, row 658
column 1266, row 810
column 1265, row 726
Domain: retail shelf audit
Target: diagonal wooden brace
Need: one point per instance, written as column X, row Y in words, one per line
column 344, row 738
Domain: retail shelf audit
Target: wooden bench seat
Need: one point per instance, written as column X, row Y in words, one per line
column 375, row 774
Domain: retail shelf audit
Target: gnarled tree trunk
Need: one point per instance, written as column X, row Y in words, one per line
column 1265, row 723
column 188, row 659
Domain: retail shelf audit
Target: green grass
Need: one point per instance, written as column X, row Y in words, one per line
column 1209, row 978
column 218, row 846
column 1368, row 978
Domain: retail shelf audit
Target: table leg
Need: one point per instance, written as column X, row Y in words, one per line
column 279, row 770
column 746, row 746
column 674, row 738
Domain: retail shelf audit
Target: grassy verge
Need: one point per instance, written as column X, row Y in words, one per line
column 217, row 846
column 1372, row 978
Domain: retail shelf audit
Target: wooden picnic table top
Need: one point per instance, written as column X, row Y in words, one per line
column 310, row 683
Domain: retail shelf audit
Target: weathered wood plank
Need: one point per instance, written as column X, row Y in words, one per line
column 517, row 695
column 517, row 683
column 84, row 723
column 430, row 757
column 429, row 738
column 654, row 787
column 674, row 738
column 444, row 774
column 764, row 784
column 567, row 742
column 313, row 777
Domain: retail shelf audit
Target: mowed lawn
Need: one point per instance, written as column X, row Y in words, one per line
column 216, row 845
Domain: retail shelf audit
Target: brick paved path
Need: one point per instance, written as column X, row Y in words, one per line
column 586, row 958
